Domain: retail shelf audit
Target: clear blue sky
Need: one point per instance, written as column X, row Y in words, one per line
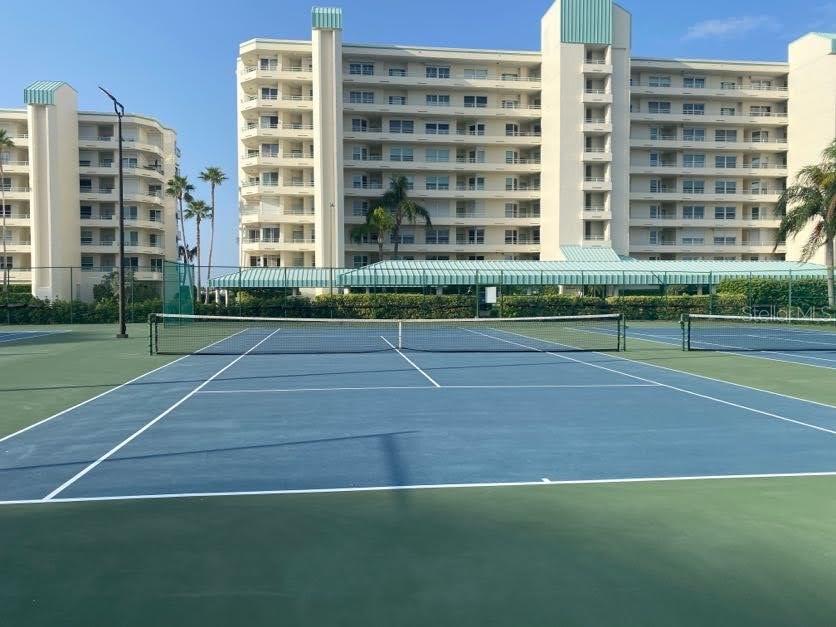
column 176, row 60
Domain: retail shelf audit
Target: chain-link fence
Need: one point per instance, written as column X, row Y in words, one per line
column 82, row 294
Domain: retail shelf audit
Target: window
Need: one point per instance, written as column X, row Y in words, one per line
column 756, row 213
column 87, row 262
column 86, row 236
column 359, row 153
column 435, row 155
column 512, row 130
column 397, row 100
column 359, row 181
column 761, row 83
column 760, row 136
column 693, row 161
column 359, row 207
column 725, row 187
column 655, row 106
column 401, row 126
column 406, row 236
column 657, row 186
column 438, row 100
column 438, row 71
column 693, row 134
column 131, row 212
column 360, row 260
column 438, row 182
column 725, row 213
column 476, row 129
column 7, row 262
column 85, row 213
column 361, row 97
column 400, row 153
column 364, row 69
column 760, row 110
column 693, row 212
column 480, row 102
column 437, row 128
column 512, row 210
column 255, row 261
column 155, row 215
column 269, row 93
column 474, row 235
column 696, row 82
column 359, row 126
column 725, row 161
column 725, row 135
column 693, row 108
column 437, row 257
column 659, row 81
column 268, row 64
column 511, row 236
column 157, row 264
column 693, row 240
column 727, row 111
column 475, row 73
column 725, row 240
column 397, row 71
column 693, row 187
column 728, row 85
column 437, row 236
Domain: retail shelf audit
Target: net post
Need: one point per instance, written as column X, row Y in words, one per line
column 622, row 324
column 682, row 329
column 150, row 334
column 476, row 294
column 789, row 296
column 400, row 334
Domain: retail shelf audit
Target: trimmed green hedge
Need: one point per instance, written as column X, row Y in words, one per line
column 349, row 306
column 551, row 305
column 806, row 293
column 37, row 311
column 672, row 307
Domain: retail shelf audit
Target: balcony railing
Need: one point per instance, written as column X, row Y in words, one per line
column 279, row 68
column 594, row 179
column 378, row 129
column 511, row 78
column 13, row 188
column 296, row 126
column 6, row 162
column 725, row 87
column 443, row 105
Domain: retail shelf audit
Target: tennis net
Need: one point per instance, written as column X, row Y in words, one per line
column 741, row 333
column 175, row 334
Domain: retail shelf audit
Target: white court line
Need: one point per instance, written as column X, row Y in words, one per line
column 106, row 392
column 412, row 363
column 738, row 353
column 666, row 385
column 150, row 424
column 28, row 335
column 424, row 387
column 429, row 486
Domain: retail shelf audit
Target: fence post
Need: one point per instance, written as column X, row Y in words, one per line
column 71, row 294
column 476, row 293
column 789, row 296
column 501, row 290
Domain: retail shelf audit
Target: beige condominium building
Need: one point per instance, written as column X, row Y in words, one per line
column 518, row 153
column 61, row 196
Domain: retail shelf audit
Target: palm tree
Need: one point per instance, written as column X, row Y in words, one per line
column 813, row 200
column 198, row 211
column 214, row 176
column 379, row 222
column 6, row 143
column 402, row 208
column 180, row 189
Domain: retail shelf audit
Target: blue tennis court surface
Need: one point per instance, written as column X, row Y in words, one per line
column 22, row 336
column 779, row 346
column 224, row 423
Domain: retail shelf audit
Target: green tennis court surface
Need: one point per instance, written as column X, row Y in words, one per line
column 719, row 551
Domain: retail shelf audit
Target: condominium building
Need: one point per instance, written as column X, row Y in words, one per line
column 61, row 197
column 517, row 154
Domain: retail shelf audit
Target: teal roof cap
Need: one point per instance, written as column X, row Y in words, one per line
column 42, row 92
column 586, row 21
column 330, row 18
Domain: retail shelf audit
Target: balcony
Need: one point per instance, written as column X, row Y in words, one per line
column 596, row 96
column 15, row 167
column 743, row 195
column 250, row 103
column 110, row 142
column 285, row 188
column 274, row 160
column 18, row 246
column 597, row 67
column 703, row 245
column 705, row 222
column 673, row 117
column 596, row 125
column 678, row 142
column 304, row 243
column 595, row 213
column 17, row 218
column 596, row 184
column 735, row 92
column 293, row 215
column 377, row 134
column 743, row 170
column 459, row 164
column 15, row 192
column 505, row 110
column 254, row 74
column 495, row 81
column 596, row 155
column 290, row 131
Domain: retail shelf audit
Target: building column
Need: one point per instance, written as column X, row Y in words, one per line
column 52, row 113
column 328, row 136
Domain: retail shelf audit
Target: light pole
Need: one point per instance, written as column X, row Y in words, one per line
column 119, row 108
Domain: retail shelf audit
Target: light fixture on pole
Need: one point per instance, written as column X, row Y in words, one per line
column 119, row 108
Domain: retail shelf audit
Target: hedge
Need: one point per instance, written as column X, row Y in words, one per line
column 806, row 293
column 551, row 305
column 672, row 307
column 37, row 311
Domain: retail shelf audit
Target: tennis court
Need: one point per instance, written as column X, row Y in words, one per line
column 515, row 403
column 22, row 336
column 811, row 342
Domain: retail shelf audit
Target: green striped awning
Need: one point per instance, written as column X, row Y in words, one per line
column 41, row 92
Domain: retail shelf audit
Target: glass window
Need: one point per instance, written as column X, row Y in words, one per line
column 401, row 126
column 437, row 154
column 438, row 71
column 655, row 106
column 659, row 81
column 437, row 236
column 725, row 187
column 727, row 111
column 725, row 135
column 400, row 153
column 437, row 128
column 721, row 161
column 438, row 100
column 693, row 161
column 690, row 186
column 438, row 182
column 359, row 126
column 475, row 73
column 479, row 102
column 693, row 134
column 693, row 81
column 693, row 108
column 397, row 71
column 365, row 69
column 397, row 100
column 691, row 212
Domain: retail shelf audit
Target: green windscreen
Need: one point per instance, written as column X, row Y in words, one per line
column 178, row 288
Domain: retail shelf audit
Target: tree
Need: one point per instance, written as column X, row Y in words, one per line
column 214, row 176
column 379, row 222
column 812, row 200
column 397, row 202
column 198, row 211
column 180, row 189
column 6, row 143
